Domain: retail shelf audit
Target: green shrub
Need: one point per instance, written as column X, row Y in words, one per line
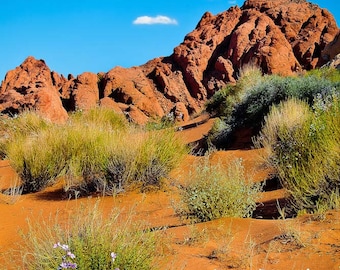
column 91, row 238
column 214, row 192
column 255, row 102
column 331, row 74
column 167, row 121
column 305, row 152
column 219, row 132
column 222, row 103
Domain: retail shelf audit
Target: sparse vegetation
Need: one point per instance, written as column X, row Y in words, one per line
column 92, row 238
column 214, row 192
column 13, row 193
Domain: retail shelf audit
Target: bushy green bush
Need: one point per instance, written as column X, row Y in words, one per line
column 304, row 150
column 219, row 132
column 255, row 101
column 95, row 242
column 331, row 74
column 214, row 192
column 222, row 103
column 167, row 121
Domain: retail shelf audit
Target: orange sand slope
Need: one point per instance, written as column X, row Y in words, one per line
column 228, row 243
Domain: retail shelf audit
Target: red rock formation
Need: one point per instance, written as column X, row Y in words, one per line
column 32, row 86
column 132, row 87
column 281, row 37
column 81, row 93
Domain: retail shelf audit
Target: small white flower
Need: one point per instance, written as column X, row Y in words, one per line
column 113, row 256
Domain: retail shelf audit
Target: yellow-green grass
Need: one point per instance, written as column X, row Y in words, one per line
column 304, row 150
column 95, row 153
column 214, row 192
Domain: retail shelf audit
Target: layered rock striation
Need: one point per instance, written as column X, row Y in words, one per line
column 281, row 37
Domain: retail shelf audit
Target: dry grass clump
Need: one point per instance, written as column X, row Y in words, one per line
column 27, row 123
column 214, row 192
column 99, row 116
column 38, row 158
column 287, row 115
column 10, row 195
column 96, row 151
column 249, row 76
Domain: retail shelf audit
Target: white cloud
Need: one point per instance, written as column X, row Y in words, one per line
column 154, row 20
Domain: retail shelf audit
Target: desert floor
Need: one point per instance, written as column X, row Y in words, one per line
column 262, row 242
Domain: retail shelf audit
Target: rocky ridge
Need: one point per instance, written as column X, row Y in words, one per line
column 282, row 37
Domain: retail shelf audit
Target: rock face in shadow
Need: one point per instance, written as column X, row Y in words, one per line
column 281, row 37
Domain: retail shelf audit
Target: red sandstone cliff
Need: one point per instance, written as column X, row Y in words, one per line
column 281, row 36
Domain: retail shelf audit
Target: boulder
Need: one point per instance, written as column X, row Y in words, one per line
column 81, row 93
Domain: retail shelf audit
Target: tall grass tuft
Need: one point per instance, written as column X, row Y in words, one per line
column 99, row 116
column 96, row 151
column 288, row 115
column 249, row 76
column 159, row 153
column 214, row 192
column 304, row 149
column 92, row 238
column 26, row 124
column 38, row 159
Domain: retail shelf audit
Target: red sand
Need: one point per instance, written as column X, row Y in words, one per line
column 228, row 243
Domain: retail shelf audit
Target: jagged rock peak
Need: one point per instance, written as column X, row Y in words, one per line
column 281, row 37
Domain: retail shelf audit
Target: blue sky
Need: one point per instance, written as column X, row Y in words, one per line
column 88, row 35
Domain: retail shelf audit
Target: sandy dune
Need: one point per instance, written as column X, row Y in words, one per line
column 264, row 242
